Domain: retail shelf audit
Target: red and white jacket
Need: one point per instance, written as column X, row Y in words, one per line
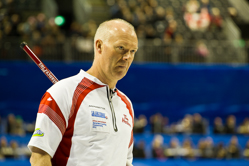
column 82, row 122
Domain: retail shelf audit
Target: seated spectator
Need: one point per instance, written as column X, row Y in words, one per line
column 198, row 126
column 216, row 19
column 209, row 148
column 19, row 126
column 185, row 125
column 171, row 29
column 139, row 150
column 157, row 147
column 230, row 126
column 246, row 151
column 204, row 20
column 188, row 151
column 201, row 148
column 140, row 124
column 192, row 6
column 220, row 151
column 15, row 149
column 244, row 127
column 206, row 148
column 11, row 124
column 218, row 127
column 173, row 151
column 233, row 150
column 157, row 123
column 6, row 150
column 206, row 4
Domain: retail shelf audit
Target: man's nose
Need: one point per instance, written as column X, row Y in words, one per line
column 127, row 55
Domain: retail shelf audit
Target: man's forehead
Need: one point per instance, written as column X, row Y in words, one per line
column 128, row 43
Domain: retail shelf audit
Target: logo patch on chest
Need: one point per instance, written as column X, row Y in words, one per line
column 126, row 120
column 99, row 114
column 99, row 121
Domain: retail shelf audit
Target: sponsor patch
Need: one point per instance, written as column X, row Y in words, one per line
column 98, row 123
column 99, row 114
column 99, row 120
column 38, row 133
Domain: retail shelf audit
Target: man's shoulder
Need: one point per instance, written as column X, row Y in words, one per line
column 67, row 84
column 123, row 96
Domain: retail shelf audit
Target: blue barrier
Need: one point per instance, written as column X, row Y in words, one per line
column 152, row 162
column 173, row 90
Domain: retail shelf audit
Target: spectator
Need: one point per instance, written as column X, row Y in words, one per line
column 209, row 148
column 15, row 149
column 230, row 126
column 204, row 20
column 233, row 150
column 173, row 151
column 201, row 148
column 206, row 4
column 220, row 151
column 186, row 124
column 157, row 147
column 216, row 19
column 6, row 150
column 140, row 124
column 139, row 149
column 192, row 6
column 218, row 126
column 188, row 150
column 198, row 126
column 157, row 123
column 171, row 29
column 206, row 148
column 244, row 127
column 11, row 124
column 246, row 151
column 19, row 126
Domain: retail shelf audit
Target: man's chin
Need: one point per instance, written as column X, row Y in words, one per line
column 120, row 74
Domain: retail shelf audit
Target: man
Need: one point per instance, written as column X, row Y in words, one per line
column 84, row 119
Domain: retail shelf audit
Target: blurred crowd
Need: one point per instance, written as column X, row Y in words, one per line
column 204, row 149
column 169, row 26
column 12, row 148
column 152, row 20
column 158, row 125
column 202, row 16
column 191, row 125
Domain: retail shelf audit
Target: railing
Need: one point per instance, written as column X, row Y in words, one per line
column 81, row 49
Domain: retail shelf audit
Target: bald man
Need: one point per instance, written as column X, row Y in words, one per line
column 85, row 119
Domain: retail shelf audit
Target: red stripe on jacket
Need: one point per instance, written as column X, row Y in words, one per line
column 49, row 107
column 128, row 106
column 63, row 151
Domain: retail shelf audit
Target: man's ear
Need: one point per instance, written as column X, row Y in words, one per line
column 99, row 46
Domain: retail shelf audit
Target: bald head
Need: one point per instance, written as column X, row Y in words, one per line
column 108, row 28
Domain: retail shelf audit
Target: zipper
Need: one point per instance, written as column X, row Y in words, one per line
column 109, row 97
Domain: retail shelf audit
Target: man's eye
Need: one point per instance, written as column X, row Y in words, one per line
column 121, row 47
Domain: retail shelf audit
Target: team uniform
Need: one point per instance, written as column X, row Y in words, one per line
column 82, row 122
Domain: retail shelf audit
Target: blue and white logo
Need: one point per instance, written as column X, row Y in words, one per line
column 98, row 114
column 98, row 124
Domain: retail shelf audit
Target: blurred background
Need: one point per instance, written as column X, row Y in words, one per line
column 188, row 83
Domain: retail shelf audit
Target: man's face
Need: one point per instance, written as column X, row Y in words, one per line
column 118, row 53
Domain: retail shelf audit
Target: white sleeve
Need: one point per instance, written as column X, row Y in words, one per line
column 50, row 126
column 47, row 136
column 129, row 156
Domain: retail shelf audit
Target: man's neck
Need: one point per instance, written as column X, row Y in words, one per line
column 102, row 78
